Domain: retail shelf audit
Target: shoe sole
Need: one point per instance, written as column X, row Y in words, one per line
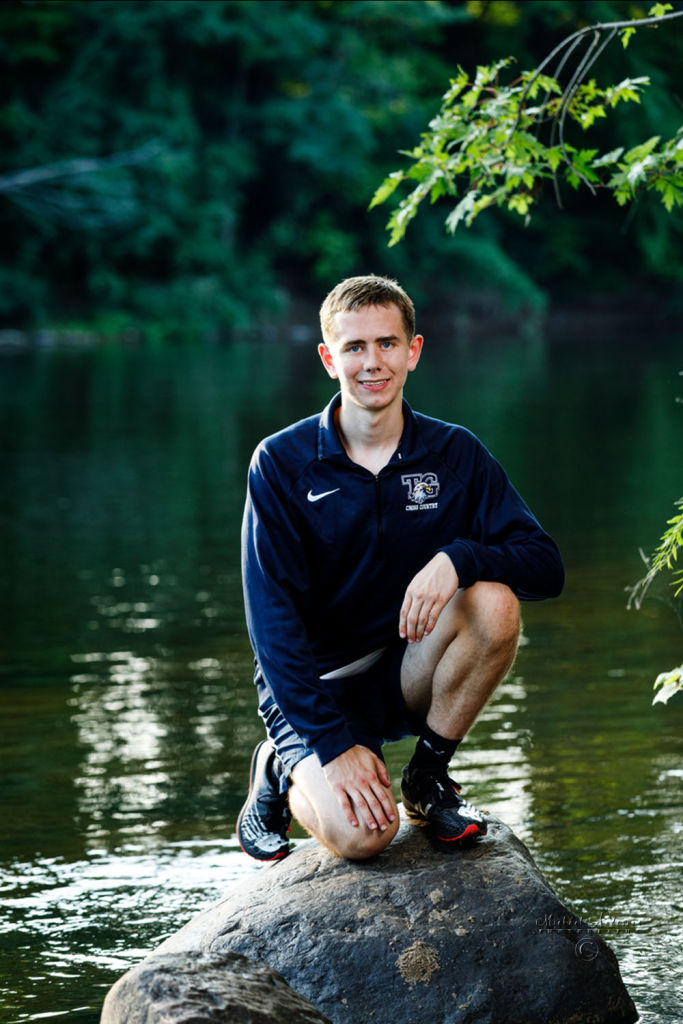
column 238, row 825
column 472, row 831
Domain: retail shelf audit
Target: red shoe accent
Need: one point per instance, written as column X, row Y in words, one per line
column 471, row 830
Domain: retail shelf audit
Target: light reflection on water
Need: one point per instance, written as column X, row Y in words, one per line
column 84, row 923
column 127, row 729
column 117, row 723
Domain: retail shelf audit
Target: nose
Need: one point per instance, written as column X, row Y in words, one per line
column 373, row 359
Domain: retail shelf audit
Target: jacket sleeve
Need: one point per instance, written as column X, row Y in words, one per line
column 275, row 582
column 506, row 543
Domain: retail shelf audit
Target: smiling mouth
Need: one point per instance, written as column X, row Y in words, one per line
column 374, row 383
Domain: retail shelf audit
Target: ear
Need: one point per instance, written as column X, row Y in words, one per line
column 328, row 362
column 414, row 351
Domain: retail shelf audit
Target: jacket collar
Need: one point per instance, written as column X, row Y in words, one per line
column 329, row 442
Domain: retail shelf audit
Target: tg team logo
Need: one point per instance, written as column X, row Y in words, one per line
column 422, row 489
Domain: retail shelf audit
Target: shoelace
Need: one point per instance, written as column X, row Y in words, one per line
column 448, row 790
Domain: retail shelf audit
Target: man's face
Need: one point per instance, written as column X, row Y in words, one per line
column 371, row 356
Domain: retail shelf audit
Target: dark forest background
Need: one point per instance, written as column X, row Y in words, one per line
column 229, row 151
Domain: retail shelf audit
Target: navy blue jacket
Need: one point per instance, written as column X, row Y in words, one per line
column 328, row 550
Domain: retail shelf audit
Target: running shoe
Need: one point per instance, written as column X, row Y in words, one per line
column 263, row 822
column 435, row 800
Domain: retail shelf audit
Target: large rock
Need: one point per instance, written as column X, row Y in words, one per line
column 205, row 988
column 419, row 935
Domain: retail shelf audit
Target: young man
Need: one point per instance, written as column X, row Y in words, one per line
column 384, row 554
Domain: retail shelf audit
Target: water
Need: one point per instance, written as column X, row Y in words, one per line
column 126, row 705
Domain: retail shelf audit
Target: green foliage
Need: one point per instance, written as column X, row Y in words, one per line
column 263, row 126
column 484, row 148
column 664, row 559
column 200, row 162
column 667, row 684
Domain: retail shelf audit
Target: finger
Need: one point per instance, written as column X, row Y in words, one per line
column 382, row 772
column 431, row 617
column 412, row 620
column 382, row 787
column 403, row 616
column 364, row 810
column 434, row 614
column 383, row 806
column 422, row 619
column 372, row 812
column 383, row 794
column 346, row 806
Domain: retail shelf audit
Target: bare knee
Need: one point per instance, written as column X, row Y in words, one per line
column 361, row 843
column 314, row 805
column 496, row 615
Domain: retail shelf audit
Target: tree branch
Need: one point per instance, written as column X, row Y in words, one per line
column 80, row 165
column 599, row 27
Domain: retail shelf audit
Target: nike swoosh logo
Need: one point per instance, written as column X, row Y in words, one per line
column 316, row 497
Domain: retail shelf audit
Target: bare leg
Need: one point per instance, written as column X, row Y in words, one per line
column 448, row 677
column 316, row 807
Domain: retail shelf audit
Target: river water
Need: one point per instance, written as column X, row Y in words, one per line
column 127, row 710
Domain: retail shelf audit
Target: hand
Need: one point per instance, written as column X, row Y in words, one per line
column 360, row 781
column 427, row 595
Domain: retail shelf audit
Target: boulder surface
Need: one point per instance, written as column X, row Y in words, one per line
column 205, row 988
column 417, row 935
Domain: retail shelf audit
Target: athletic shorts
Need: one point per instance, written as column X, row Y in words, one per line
column 371, row 702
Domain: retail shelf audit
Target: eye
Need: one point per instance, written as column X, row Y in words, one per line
column 387, row 344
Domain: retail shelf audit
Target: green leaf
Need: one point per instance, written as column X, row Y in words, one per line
column 626, row 34
column 520, row 202
column 420, row 171
column 483, row 76
column 463, row 210
column 589, row 117
column 439, row 188
column 469, row 100
column 639, row 153
column 387, row 187
column 672, row 193
column 637, row 172
column 627, row 90
column 609, row 158
column 398, row 222
column 583, row 163
column 457, row 85
column 554, row 157
column 549, row 84
column 657, row 10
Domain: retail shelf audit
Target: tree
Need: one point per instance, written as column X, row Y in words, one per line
column 194, row 162
column 486, row 148
column 274, row 121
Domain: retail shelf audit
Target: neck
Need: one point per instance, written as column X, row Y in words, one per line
column 370, row 438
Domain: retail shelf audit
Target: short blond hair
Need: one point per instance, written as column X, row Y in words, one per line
column 370, row 290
